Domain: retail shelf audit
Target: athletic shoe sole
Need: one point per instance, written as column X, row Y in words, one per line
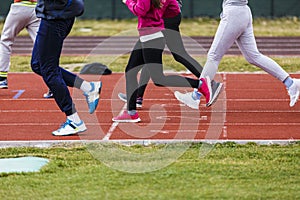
column 74, row 133
column 75, row 130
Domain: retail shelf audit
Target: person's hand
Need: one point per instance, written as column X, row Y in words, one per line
column 124, row 1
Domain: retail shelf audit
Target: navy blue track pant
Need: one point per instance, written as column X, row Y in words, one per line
column 45, row 61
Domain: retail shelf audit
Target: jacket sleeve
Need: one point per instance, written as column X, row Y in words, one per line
column 59, row 9
column 139, row 7
column 172, row 9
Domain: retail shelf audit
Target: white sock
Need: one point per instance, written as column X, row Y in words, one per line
column 86, row 86
column 131, row 112
column 74, row 118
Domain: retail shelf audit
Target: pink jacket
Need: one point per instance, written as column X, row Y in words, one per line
column 150, row 19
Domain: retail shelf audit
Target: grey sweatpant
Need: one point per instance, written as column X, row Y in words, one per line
column 236, row 26
column 18, row 18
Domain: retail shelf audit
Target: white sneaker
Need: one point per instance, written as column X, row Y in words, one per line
column 70, row 128
column 48, row 95
column 187, row 99
column 294, row 92
column 92, row 97
column 139, row 100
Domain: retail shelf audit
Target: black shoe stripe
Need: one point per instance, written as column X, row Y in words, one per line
column 74, row 127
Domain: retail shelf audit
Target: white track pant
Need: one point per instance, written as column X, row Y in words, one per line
column 236, row 26
column 18, row 18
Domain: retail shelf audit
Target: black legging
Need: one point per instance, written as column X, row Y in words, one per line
column 148, row 55
column 175, row 44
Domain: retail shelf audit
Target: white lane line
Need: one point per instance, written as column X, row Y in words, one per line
column 178, row 131
column 171, row 124
column 169, row 117
column 19, row 93
column 163, row 117
column 224, row 130
column 30, row 111
column 114, row 125
column 162, row 99
column 50, row 143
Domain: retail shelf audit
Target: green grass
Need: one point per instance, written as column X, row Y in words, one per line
column 200, row 27
column 288, row 26
column 228, row 63
column 229, row 171
column 22, row 63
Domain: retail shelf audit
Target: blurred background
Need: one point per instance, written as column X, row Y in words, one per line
column 114, row 9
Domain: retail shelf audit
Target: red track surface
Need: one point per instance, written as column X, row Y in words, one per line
column 251, row 107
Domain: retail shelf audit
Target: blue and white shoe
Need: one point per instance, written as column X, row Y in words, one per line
column 4, row 84
column 92, row 97
column 70, row 128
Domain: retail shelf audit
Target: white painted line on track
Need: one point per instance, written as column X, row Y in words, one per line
column 19, row 93
column 30, row 111
column 51, row 143
column 178, row 131
column 171, row 124
column 169, row 117
column 27, row 99
column 224, row 130
column 45, row 124
column 113, row 126
column 160, row 117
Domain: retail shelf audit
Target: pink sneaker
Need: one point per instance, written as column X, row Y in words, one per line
column 125, row 117
column 205, row 89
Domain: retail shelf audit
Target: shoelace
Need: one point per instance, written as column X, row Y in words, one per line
column 68, row 122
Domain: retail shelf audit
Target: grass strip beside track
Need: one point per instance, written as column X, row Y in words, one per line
column 286, row 26
column 228, row 63
column 229, row 171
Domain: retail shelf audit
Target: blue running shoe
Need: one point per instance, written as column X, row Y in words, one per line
column 70, row 128
column 92, row 97
column 3, row 84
